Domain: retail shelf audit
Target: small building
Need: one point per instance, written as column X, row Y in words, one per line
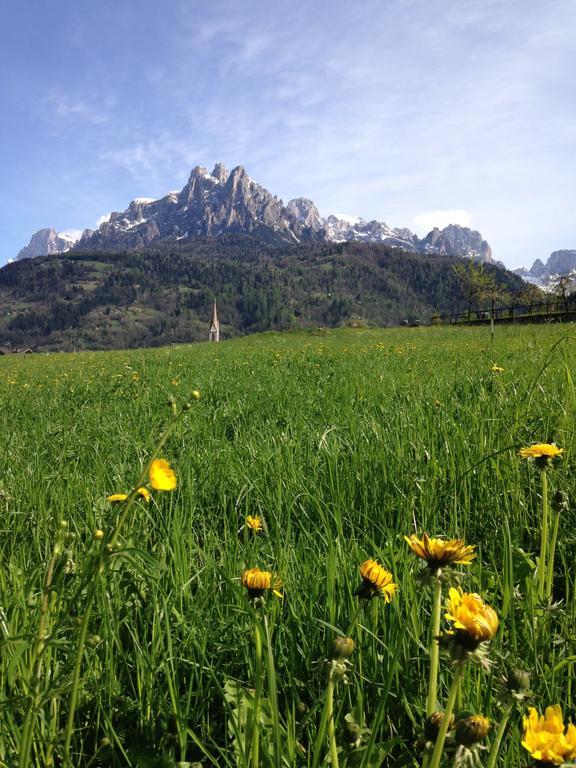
column 214, row 332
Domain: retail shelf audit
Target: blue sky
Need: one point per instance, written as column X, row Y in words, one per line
column 399, row 110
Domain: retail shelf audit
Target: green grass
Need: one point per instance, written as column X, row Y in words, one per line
column 343, row 441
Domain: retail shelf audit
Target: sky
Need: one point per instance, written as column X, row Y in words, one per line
column 419, row 113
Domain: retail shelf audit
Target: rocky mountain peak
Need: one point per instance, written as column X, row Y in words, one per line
column 559, row 263
column 220, row 173
column 217, row 203
column 46, row 242
column 305, row 212
column 458, row 241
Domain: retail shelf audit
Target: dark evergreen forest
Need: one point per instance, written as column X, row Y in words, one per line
column 164, row 294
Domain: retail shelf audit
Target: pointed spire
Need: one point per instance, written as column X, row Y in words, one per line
column 214, row 332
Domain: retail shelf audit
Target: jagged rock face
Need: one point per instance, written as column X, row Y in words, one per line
column 340, row 229
column 210, row 205
column 46, row 242
column 560, row 263
column 304, row 211
column 221, row 203
column 457, row 241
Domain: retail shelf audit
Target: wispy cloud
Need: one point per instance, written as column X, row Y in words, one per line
column 63, row 106
column 153, row 158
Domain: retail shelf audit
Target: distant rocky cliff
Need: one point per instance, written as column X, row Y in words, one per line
column 46, row 242
column 217, row 203
column 559, row 263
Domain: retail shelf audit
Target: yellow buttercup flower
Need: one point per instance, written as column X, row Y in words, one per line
column 162, row 477
column 441, row 552
column 257, row 582
column 472, row 620
column 376, row 580
column 546, row 738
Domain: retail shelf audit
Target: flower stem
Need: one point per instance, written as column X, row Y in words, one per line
column 443, row 730
column 434, row 649
column 331, row 726
column 543, row 536
column 257, row 694
column 498, row 738
column 551, row 555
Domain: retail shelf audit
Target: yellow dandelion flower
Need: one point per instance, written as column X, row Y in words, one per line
column 162, row 477
column 254, row 523
column 497, row 369
column 117, row 498
column 441, row 552
column 144, row 493
column 376, row 580
column 472, row 620
column 546, row 738
column 257, row 582
column 542, row 451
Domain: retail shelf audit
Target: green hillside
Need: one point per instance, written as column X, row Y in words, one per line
column 132, row 299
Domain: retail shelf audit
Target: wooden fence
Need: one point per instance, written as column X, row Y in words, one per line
column 554, row 311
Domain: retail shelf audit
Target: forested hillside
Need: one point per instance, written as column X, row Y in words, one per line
column 162, row 295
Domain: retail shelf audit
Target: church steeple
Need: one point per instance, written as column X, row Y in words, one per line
column 214, row 332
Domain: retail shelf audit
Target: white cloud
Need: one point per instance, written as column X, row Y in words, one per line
column 103, row 219
column 60, row 105
column 424, row 222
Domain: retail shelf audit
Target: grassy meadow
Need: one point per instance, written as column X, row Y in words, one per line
column 341, row 442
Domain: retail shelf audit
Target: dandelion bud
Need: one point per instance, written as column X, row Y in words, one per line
column 98, row 534
column 432, row 725
column 351, row 733
column 186, row 407
column 94, row 641
column 195, row 395
column 301, row 709
column 104, row 742
column 518, row 681
column 472, row 729
column 561, row 501
column 342, row 648
column 63, row 525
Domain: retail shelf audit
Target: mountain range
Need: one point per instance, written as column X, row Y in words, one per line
column 543, row 274
column 222, row 203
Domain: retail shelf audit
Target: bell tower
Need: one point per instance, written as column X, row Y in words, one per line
column 214, row 332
